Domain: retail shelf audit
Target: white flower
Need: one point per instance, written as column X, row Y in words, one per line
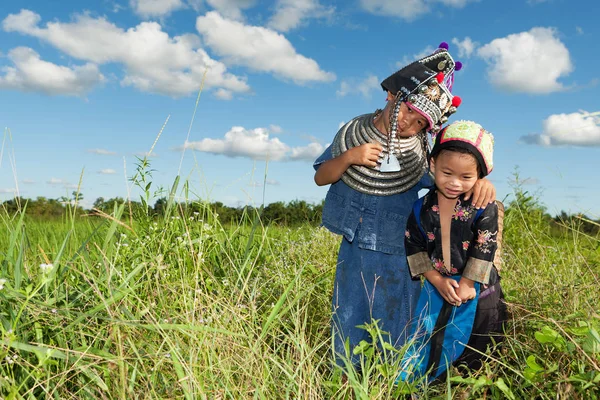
column 46, row 267
column 2, row 282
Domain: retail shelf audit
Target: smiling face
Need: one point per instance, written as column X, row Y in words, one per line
column 454, row 172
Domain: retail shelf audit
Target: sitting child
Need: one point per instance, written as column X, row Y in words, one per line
column 452, row 245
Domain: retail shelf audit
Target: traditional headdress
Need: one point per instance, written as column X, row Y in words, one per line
column 425, row 87
column 470, row 136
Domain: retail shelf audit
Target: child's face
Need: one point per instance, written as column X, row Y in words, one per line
column 454, row 173
column 410, row 122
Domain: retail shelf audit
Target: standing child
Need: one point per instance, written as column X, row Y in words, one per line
column 452, row 245
column 376, row 165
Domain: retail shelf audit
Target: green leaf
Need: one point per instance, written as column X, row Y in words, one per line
column 591, row 343
column 533, row 365
column 505, row 389
column 549, row 336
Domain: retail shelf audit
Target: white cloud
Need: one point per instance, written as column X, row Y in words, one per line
column 258, row 48
column 223, row 94
column 231, row 8
column 8, row 190
column 290, row 14
column 155, row 8
column 272, row 182
column 32, row 74
column 256, row 144
column 102, row 152
column 577, row 129
column 364, row 87
column 529, row 62
column 56, row 181
column 29, row 181
column 107, row 171
column 406, row 9
column 579, row 30
column 275, row 129
column 466, row 47
column 240, row 142
column 153, row 61
column 307, row 153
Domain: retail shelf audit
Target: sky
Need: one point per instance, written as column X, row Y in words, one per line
column 238, row 97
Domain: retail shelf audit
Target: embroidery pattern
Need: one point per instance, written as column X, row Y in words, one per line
column 484, row 239
column 441, row 268
column 466, row 245
column 463, row 213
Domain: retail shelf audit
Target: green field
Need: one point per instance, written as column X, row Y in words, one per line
column 180, row 306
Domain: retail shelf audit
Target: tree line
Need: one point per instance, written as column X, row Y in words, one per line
column 293, row 213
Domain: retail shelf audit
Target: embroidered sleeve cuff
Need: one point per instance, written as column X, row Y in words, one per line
column 419, row 264
column 478, row 270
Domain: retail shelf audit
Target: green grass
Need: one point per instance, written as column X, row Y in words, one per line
column 182, row 307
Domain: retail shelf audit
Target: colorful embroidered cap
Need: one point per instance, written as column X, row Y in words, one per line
column 425, row 86
column 471, row 136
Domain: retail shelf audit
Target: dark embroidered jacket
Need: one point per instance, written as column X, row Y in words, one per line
column 472, row 242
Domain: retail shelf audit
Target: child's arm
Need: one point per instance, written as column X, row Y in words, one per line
column 483, row 193
column 331, row 171
column 481, row 253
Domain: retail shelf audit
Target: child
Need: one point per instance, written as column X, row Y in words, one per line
column 453, row 245
column 376, row 165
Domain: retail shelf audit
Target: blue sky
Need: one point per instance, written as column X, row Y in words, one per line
column 85, row 87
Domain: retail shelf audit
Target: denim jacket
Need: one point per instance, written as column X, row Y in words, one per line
column 382, row 219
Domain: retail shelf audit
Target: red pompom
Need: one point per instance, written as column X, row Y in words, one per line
column 456, row 101
column 440, row 77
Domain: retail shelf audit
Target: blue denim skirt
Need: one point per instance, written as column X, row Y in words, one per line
column 371, row 285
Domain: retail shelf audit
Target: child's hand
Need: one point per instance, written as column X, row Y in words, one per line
column 446, row 288
column 483, row 193
column 366, row 154
column 466, row 289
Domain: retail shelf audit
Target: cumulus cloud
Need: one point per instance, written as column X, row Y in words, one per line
column 153, row 61
column 364, row 87
column 307, row 153
column 107, row 171
column 529, row 62
column 155, row 8
column 256, row 144
column 102, row 152
column 32, row 74
column 240, row 142
column 576, row 129
column 290, row 14
column 258, row 48
column 466, row 47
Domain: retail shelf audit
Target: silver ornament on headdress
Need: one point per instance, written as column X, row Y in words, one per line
column 410, row 153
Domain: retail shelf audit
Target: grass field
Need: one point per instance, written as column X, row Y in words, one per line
column 182, row 307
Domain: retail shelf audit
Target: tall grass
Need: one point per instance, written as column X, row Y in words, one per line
column 183, row 307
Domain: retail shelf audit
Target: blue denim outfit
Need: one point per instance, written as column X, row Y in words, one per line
column 372, row 280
